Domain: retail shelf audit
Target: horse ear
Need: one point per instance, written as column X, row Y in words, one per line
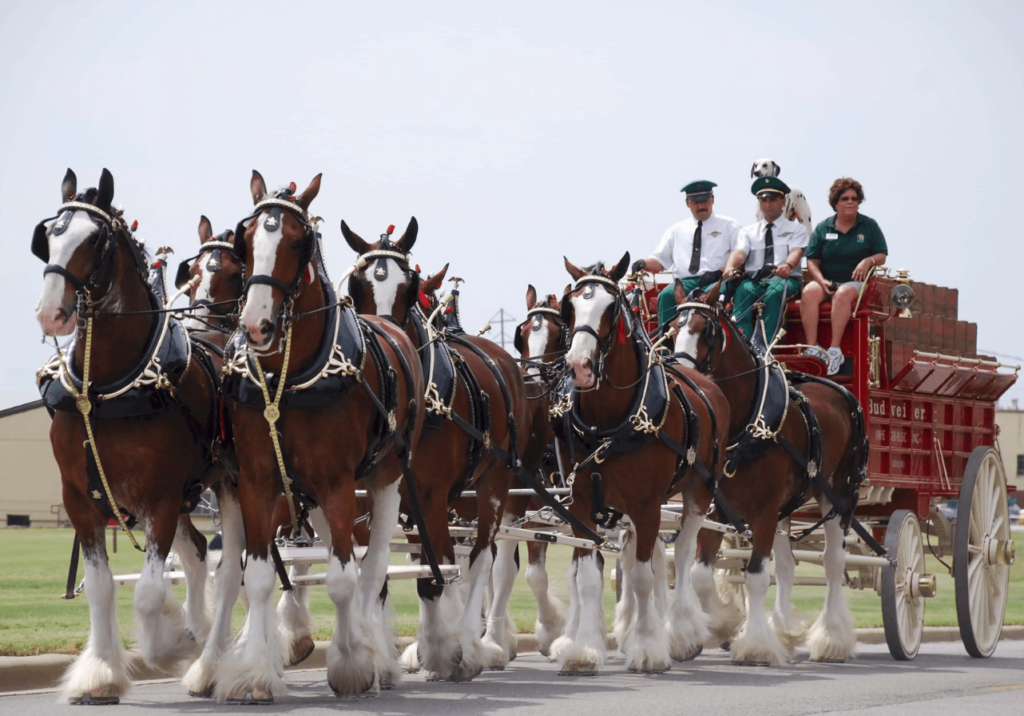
column 711, row 297
column 434, row 282
column 69, row 187
column 678, row 293
column 257, row 186
column 408, row 239
column 566, row 292
column 309, row 193
column 573, row 271
column 531, row 296
column 353, row 239
column 620, row 269
column 205, row 230
column 106, row 189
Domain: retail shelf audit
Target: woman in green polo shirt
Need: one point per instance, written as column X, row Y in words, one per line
column 844, row 249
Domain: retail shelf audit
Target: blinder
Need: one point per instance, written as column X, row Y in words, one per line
column 41, row 242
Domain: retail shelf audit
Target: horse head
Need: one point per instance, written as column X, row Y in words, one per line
column 220, row 272
column 704, row 332
column 542, row 335
column 78, row 246
column 278, row 249
column 385, row 285
column 592, row 313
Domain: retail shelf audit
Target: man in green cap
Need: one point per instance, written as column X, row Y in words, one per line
column 698, row 250
column 776, row 247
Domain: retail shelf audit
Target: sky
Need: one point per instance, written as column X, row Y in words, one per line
column 519, row 133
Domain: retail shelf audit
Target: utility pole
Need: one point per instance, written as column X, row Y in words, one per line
column 501, row 318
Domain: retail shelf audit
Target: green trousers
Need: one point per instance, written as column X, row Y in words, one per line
column 667, row 298
column 748, row 293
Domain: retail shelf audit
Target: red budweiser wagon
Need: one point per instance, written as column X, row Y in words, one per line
column 929, row 403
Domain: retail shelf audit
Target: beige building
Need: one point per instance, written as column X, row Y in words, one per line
column 30, row 491
column 1010, row 421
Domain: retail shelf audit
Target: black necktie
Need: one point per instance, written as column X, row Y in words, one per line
column 769, row 246
column 695, row 257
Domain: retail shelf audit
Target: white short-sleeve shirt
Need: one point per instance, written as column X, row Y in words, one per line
column 720, row 236
column 786, row 236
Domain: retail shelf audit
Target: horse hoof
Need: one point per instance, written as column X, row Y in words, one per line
column 205, row 694
column 579, row 671
column 691, row 656
column 253, row 697
column 495, row 668
column 752, row 663
column 103, row 696
column 302, row 649
column 464, row 675
column 725, row 645
column 386, row 683
column 831, row 661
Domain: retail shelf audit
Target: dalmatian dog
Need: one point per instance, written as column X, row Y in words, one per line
column 797, row 208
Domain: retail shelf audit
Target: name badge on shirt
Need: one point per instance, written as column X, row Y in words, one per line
column 831, row 237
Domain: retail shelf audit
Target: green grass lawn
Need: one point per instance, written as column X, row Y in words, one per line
column 34, row 620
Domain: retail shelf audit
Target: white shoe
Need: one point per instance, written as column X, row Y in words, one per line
column 835, row 360
column 816, row 352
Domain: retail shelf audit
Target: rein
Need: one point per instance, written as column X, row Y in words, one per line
column 272, row 413
column 85, row 407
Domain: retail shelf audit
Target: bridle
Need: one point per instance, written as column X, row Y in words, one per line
column 222, row 309
column 109, row 224
column 274, row 206
column 710, row 334
column 533, row 316
column 604, row 345
column 378, row 258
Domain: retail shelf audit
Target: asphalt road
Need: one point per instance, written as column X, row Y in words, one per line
column 942, row 680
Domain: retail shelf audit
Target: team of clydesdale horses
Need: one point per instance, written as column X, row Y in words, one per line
column 286, row 393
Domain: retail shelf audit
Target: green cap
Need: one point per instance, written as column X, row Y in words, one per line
column 699, row 190
column 768, row 185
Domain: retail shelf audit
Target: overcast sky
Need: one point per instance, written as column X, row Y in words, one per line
column 518, row 134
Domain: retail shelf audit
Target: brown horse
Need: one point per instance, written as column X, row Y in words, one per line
column 768, row 479
column 540, row 340
column 471, row 383
column 140, row 400
column 636, row 432
column 213, row 317
column 343, row 397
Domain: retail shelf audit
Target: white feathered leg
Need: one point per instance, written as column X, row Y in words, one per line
column 372, row 575
column 625, row 607
column 102, row 669
column 227, row 581
column 474, row 655
column 757, row 643
column 588, row 650
column 253, row 666
column 501, row 645
column 572, row 620
column 196, row 570
column 646, row 646
column 832, row 637
column 160, row 623
column 550, row 609
column 687, row 623
column 726, row 616
column 784, row 619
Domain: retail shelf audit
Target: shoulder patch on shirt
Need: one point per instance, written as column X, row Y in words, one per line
column 716, row 233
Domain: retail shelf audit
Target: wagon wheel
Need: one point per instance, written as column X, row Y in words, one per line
column 902, row 600
column 982, row 552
